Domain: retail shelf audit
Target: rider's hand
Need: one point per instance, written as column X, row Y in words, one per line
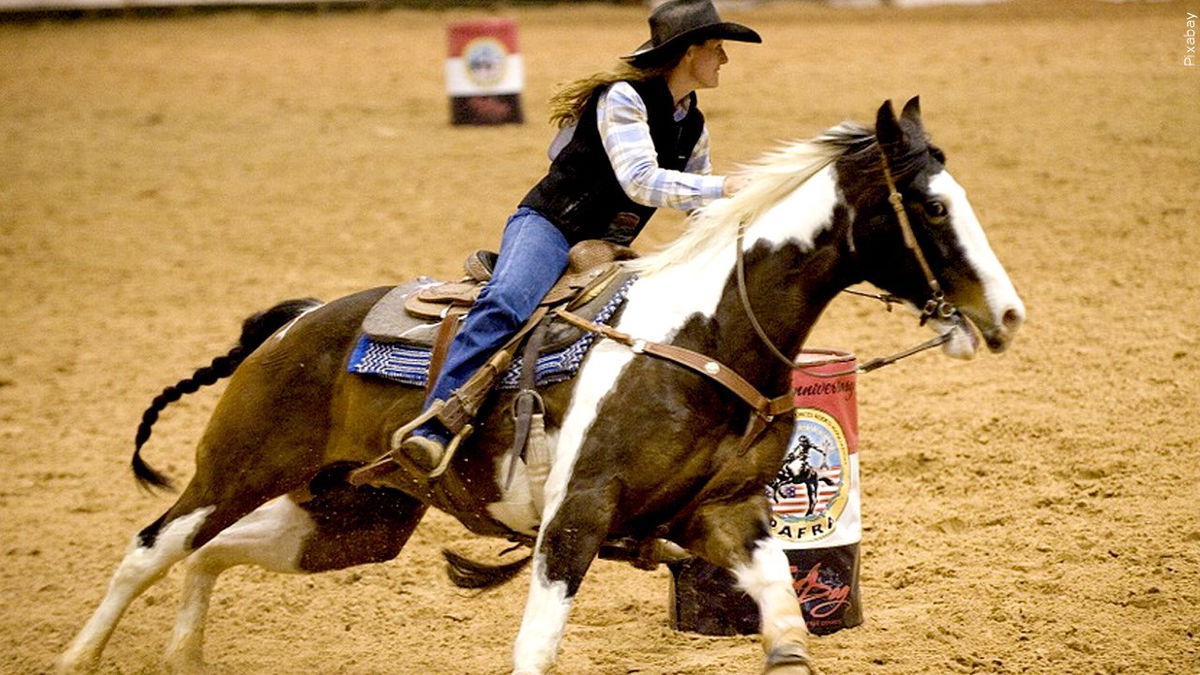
column 734, row 183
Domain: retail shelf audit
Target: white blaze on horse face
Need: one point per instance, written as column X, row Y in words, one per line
column 1004, row 312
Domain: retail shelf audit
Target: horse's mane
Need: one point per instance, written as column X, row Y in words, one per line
column 774, row 175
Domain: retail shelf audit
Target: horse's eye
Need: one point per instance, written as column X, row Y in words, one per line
column 936, row 209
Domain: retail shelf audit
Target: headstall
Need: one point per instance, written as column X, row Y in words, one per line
column 937, row 307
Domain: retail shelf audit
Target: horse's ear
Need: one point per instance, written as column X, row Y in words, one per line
column 912, row 111
column 887, row 127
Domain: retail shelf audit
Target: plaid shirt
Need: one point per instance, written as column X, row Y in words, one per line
column 622, row 120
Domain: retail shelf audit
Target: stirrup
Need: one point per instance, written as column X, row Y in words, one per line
column 403, row 432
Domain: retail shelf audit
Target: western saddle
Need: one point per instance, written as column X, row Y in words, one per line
column 429, row 314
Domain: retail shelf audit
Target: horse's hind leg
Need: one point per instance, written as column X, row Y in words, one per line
column 151, row 554
column 271, row 536
column 735, row 536
column 340, row 526
column 192, row 521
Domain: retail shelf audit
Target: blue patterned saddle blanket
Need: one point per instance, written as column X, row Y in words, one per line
column 408, row 362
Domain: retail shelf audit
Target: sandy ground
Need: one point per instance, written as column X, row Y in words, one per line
column 1033, row 512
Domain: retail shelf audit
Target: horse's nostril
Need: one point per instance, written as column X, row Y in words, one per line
column 1012, row 319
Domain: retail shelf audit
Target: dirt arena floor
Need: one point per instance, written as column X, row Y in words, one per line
column 1034, row 512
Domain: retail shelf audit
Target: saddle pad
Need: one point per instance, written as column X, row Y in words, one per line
column 409, row 364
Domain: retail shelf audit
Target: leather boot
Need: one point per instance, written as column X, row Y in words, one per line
column 426, row 453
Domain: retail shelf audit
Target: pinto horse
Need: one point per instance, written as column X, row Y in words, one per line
column 643, row 450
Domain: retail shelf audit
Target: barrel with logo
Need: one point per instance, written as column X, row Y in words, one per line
column 815, row 514
column 484, row 72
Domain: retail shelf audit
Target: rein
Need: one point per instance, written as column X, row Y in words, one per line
column 936, row 307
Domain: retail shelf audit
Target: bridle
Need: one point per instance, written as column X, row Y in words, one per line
column 936, row 307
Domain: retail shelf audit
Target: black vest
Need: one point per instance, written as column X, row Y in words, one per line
column 581, row 195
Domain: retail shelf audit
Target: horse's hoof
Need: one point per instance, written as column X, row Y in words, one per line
column 789, row 660
column 70, row 666
column 191, row 668
column 791, row 669
column 185, row 665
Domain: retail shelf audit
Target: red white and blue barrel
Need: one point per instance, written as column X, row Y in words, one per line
column 485, row 72
column 815, row 514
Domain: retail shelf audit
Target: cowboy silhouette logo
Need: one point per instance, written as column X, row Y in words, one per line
column 809, row 492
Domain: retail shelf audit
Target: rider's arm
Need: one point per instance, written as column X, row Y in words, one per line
column 625, row 131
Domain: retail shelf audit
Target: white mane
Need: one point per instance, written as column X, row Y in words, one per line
column 773, row 176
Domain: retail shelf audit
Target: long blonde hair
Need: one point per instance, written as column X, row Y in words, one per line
column 567, row 104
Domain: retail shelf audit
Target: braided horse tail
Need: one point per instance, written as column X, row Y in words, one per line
column 255, row 331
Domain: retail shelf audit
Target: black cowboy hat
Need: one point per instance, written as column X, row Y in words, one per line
column 677, row 24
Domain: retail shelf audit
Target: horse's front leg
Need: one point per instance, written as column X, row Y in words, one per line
column 734, row 535
column 565, row 549
column 767, row 578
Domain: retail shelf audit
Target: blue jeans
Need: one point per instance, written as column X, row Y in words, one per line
column 533, row 255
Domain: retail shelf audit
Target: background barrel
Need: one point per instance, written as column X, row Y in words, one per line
column 485, row 72
column 816, row 515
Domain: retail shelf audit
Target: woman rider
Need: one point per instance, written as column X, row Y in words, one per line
column 631, row 141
